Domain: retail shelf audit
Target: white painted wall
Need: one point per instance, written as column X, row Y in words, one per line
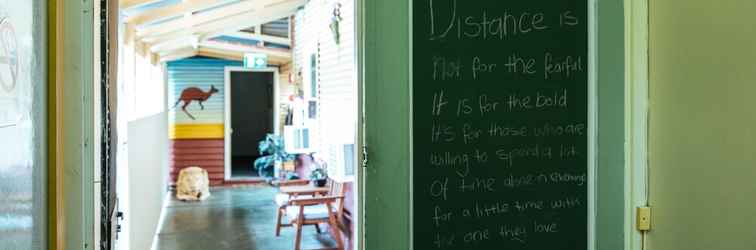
column 144, row 85
column 143, row 143
column 148, row 178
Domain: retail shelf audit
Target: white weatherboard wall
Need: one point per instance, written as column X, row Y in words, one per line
column 336, row 75
column 148, row 175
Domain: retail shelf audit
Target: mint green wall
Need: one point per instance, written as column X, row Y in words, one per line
column 78, row 176
column 387, row 123
column 387, row 118
column 702, row 133
column 611, row 194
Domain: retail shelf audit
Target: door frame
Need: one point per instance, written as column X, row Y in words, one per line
column 361, row 145
column 636, row 117
column 227, row 130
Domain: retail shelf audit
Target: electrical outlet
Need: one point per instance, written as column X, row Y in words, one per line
column 643, row 218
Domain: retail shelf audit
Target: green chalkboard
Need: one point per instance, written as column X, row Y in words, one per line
column 500, row 129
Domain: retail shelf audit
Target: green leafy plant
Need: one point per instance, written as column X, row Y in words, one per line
column 319, row 177
column 272, row 150
column 318, row 174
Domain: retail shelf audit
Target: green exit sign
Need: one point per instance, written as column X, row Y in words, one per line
column 254, row 60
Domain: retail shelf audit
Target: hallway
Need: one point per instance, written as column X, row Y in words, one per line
column 232, row 218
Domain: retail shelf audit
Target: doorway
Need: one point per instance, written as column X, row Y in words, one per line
column 249, row 116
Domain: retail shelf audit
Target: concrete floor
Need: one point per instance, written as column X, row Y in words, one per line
column 232, row 218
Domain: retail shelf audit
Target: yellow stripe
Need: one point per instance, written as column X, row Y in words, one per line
column 196, row 131
column 55, row 223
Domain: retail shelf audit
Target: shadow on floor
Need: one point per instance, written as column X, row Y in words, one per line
column 232, row 218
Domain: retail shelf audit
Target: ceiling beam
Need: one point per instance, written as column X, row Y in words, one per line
column 232, row 24
column 178, row 55
column 205, row 17
column 258, row 37
column 184, row 49
column 171, row 45
column 220, row 54
column 241, row 49
column 169, row 11
column 125, row 4
column 236, row 56
column 271, row 13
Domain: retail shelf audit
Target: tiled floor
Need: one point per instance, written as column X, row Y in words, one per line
column 232, row 218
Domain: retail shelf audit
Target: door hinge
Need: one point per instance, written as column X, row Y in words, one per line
column 364, row 156
column 643, row 218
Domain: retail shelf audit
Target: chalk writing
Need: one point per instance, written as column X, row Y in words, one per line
column 505, row 166
column 486, row 25
column 479, row 67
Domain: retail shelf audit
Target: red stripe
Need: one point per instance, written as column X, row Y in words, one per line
column 204, row 153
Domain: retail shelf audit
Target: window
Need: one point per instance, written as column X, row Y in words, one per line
column 313, row 76
column 297, row 139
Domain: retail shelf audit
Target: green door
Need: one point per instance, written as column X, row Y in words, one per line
column 702, row 131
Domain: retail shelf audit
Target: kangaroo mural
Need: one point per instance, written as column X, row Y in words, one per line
column 194, row 94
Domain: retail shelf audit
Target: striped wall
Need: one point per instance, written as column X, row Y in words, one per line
column 201, row 73
column 206, row 153
column 199, row 141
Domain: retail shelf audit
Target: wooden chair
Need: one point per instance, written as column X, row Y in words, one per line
column 282, row 199
column 328, row 209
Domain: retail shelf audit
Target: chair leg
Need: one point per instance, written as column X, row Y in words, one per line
column 278, row 222
column 335, row 229
column 298, row 241
column 300, row 221
column 317, row 228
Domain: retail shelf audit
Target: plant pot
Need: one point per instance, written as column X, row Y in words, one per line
column 319, row 183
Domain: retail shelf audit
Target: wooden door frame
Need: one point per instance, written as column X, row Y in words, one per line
column 227, row 112
column 71, row 158
column 636, row 117
column 55, row 196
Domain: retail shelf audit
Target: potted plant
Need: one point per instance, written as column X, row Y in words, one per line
column 273, row 151
column 319, row 177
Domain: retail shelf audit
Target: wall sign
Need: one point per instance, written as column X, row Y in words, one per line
column 255, row 60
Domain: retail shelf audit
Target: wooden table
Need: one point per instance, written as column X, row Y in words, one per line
column 303, row 190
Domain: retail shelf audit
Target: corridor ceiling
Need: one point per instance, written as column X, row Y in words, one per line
column 175, row 29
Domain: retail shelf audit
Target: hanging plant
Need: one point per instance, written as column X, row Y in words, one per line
column 335, row 20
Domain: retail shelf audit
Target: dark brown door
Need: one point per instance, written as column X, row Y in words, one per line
column 251, row 118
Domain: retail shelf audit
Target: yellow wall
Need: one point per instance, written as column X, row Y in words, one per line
column 196, row 131
column 702, row 137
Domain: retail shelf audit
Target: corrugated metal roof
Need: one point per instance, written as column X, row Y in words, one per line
column 249, row 42
column 279, row 28
column 236, row 40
